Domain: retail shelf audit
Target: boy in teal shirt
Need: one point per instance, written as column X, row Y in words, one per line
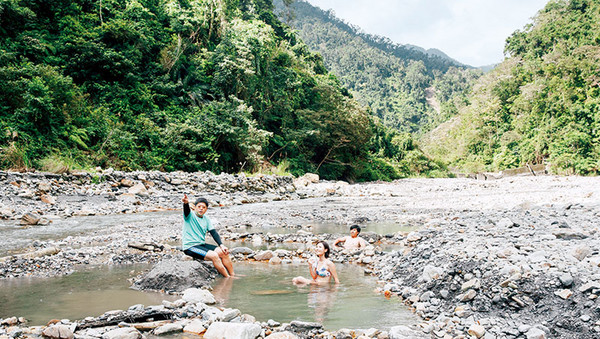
column 195, row 227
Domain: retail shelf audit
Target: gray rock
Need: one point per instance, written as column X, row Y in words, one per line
column 242, row 250
column 168, row 329
column 230, row 313
column 176, row 275
column 535, row 333
column 581, row 252
column 58, row 332
column 304, row 325
column 403, row 332
column 123, row 333
column 222, row 330
column 196, row 295
column 195, row 326
column 282, row 335
column 567, row 234
column 505, row 223
column 566, row 279
column 263, row 255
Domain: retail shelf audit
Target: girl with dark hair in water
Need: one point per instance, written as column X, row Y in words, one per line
column 322, row 270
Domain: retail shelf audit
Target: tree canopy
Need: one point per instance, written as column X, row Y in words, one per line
column 540, row 105
column 218, row 85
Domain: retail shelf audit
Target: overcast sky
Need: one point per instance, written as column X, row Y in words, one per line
column 470, row 31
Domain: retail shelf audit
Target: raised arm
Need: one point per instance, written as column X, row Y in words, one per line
column 186, row 205
column 312, row 268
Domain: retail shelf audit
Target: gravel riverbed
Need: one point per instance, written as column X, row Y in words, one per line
column 516, row 257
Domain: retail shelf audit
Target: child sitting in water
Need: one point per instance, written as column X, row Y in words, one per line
column 321, row 269
column 352, row 241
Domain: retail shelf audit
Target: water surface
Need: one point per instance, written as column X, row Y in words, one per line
column 81, row 294
column 266, row 292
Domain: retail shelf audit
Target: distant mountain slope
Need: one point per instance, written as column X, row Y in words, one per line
column 398, row 82
column 542, row 104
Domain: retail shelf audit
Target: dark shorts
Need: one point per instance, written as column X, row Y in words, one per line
column 199, row 251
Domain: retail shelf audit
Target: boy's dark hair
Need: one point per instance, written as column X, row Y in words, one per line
column 326, row 245
column 356, row 227
column 199, row 200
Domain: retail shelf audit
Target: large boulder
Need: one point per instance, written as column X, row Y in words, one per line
column 176, row 275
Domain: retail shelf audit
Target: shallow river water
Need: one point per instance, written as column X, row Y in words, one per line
column 266, row 292
column 90, row 292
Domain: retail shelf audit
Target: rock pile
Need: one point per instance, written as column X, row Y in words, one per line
column 193, row 313
column 36, row 198
column 524, row 273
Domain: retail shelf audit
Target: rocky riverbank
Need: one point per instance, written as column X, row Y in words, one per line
column 510, row 258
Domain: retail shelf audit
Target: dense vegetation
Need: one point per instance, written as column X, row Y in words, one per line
column 542, row 104
column 189, row 85
column 407, row 88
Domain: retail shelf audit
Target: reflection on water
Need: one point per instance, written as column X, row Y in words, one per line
column 76, row 296
column 266, row 292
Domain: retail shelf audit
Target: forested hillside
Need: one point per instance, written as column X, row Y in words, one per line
column 407, row 88
column 540, row 105
column 218, row 85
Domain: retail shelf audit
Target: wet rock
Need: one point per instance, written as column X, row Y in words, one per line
column 9, row 321
column 305, row 325
column 223, row 330
column 168, row 329
column 275, row 261
column 263, row 255
column 123, row 333
column 176, row 275
column 196, row 295
column 196, row 326
column 241, row 250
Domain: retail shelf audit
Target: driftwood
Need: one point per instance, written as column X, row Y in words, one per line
column 129, row 317
column 146, row 246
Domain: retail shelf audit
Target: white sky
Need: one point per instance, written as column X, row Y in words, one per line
column 470, row 31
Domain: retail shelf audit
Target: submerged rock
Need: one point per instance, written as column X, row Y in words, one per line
column 176, row 275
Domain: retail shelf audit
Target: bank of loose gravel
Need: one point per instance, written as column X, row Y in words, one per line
column 510, row 258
